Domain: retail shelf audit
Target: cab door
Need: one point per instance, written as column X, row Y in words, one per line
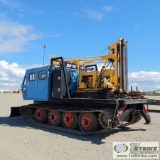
column 29, row 86
column 43, row 84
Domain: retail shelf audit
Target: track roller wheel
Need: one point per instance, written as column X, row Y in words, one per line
column 70, row 120
column 40, row 115
column 54, row 118
column 88, row 122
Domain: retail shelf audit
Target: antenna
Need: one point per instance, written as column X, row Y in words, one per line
column 44, row 46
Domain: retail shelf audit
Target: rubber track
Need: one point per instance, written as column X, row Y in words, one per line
column 62, row 129
column 33, row 122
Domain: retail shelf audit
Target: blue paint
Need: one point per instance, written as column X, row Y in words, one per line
column 36, row 89
column 37, row 83
column 74, row 80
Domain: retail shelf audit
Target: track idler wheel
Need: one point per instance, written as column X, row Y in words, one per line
column 70, row 120
column 40, row 115
column 54, row 118
column 88, row 122
column 30, row 111
column 103, row 120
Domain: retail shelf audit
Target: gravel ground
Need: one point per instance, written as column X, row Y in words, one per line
column 20, row 141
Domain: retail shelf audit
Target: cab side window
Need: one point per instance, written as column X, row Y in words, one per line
column 42, row 75
column 32, row 76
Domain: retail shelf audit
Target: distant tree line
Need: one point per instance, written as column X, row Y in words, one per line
column 152, row 93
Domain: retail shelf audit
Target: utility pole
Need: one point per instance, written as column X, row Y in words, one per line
column 44, row 46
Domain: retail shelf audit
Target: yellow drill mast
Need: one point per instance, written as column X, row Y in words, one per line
column 112, row 73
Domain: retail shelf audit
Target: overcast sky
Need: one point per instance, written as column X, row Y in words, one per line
column 79, row 28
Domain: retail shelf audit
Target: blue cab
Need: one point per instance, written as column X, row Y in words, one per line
column 46, row 83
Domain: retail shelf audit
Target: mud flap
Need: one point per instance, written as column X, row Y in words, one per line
column 146, row 116
column 15, row 112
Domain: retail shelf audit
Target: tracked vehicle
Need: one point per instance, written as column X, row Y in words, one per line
column 83, row 95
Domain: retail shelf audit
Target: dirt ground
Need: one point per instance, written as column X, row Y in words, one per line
column 21, row 141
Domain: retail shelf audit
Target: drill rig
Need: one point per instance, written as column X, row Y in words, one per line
column 111, row 79
column 82, row 95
